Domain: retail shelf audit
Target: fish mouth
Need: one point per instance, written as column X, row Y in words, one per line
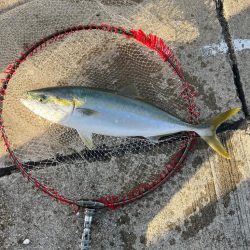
column 34, row 97
column 26, row 102
column 28, row 96
column 31, row 95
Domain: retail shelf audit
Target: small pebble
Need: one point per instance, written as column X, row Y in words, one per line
column 26, row 242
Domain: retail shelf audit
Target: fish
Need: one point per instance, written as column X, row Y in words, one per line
column 111, row 113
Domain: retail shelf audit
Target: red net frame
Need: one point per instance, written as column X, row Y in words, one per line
column 188, row 94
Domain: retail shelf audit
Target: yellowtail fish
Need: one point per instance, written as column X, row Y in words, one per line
column 90, row 110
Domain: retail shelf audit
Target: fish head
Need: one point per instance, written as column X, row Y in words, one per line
column 48, row 104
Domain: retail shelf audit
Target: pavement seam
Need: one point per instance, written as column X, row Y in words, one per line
column 232, row 56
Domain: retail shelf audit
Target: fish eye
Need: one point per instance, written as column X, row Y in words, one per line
column 42, row 98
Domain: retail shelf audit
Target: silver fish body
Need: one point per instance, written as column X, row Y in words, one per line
column 90, row 110
column 117, row 115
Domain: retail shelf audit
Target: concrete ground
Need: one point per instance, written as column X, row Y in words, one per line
column 204, row 206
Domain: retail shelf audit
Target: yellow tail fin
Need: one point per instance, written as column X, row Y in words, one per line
column 210, row 135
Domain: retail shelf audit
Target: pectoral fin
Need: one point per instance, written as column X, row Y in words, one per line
column 86, row 138
column 87, row 112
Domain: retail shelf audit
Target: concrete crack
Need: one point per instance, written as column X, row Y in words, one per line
column 232, row 56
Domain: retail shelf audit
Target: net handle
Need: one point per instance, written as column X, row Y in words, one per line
column 86, row 235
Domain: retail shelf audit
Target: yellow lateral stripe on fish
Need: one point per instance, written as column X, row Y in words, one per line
column 78, row 102
column 66, row 102
column 60, row 101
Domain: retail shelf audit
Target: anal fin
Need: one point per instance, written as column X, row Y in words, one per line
column 86, row 138
column 154, row 139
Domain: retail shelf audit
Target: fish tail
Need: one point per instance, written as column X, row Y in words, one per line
column 208, row 132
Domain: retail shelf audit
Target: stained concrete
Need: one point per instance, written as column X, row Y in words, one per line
column 237, row 14
column 204, row 206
